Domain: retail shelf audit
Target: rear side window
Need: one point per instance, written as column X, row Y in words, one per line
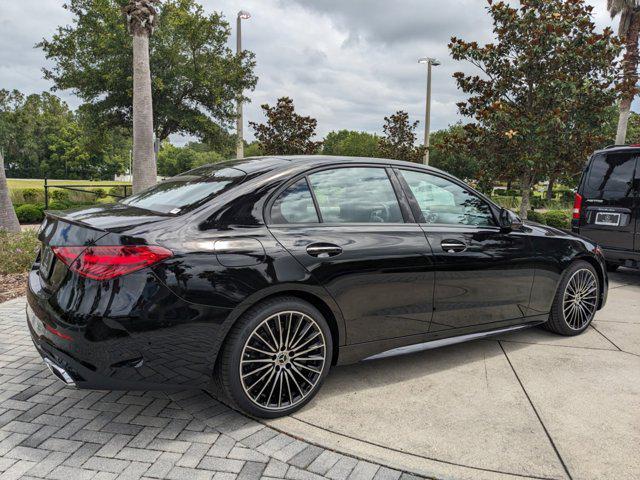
column 295, row 205
column 188, row 190
column 356, row 195
column 611, row 173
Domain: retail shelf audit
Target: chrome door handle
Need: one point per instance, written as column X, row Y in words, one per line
column 324, row 250
column 453, row 246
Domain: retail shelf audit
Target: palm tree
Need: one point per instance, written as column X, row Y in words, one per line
column 8, row 219
column 141, row 20
column 629, row 11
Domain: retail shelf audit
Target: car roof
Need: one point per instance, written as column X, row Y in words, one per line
column 268, row 163
column 619, row 148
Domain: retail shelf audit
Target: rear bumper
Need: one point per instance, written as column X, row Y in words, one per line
column 148, row 340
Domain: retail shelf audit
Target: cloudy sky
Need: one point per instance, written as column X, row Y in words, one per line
column 347, row 63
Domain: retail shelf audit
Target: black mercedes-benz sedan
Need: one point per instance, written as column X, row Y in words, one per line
column 252, row 278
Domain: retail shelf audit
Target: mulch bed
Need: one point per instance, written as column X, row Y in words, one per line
column 12, row 286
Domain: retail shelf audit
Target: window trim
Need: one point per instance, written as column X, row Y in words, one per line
column 403, row 204
column 415, row 205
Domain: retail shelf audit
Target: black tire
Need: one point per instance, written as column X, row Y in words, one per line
column 240, row 345
column 612, row 267
column 558, row 323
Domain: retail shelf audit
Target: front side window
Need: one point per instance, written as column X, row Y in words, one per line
column 444, row 202
column 295, row 205
column 611, row 173
column 188, row 190
column 356, row 195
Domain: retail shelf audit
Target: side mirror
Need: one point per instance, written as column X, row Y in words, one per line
column 509, row 220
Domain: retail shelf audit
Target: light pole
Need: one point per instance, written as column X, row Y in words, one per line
column 242, row 15
column 431, row 62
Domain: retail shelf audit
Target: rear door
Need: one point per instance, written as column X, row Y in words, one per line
column 610, row 213
column 348, row 228
column 484, row 275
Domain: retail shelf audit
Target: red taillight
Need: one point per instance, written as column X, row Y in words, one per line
column 577, row 206
column 104, row 263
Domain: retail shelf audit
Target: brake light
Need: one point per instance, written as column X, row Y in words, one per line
column 577, row 206
column 105, row 263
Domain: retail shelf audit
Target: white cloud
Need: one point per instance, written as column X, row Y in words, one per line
column 347, row 63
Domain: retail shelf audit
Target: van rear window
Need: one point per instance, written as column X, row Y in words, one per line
column 188, row 190
column 611, row 172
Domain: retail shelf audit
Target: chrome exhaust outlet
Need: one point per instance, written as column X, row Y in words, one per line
column 60, row 372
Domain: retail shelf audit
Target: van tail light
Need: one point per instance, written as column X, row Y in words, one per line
column 105, row 263
column 577, row 206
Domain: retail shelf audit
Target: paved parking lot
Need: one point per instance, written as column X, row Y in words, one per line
column 48, row 430
column 526, row 405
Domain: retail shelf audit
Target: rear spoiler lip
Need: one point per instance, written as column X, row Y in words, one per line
column 60, row 215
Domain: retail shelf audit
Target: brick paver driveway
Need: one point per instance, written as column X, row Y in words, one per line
column 48, row 430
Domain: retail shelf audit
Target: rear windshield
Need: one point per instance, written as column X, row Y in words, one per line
column 188, row 190
column 611, row 172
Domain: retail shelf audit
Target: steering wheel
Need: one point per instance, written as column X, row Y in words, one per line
column 429, row 216
column 379, row 214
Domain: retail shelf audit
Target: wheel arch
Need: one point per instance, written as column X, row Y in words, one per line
column 599, row 271
column 324, row 303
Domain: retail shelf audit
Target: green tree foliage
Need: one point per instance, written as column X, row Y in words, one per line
column 174, row 160
column 399, row 139
column 546, row 84
column 253, row 149
column 41, row 136
column 286, row 132
column 351, row 144
column 196, row 78
column 447, row 155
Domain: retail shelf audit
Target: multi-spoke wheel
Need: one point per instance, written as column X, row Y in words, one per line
column 580, row 300
column 282, row 360
column 276, row 357
column 576, row 301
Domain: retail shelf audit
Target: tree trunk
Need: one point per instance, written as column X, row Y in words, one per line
column 144, row 161
column 630, row 77
column 525, row 190
column 552, row 183
column 8, row 219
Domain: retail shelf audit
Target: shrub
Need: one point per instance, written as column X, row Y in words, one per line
column 535, row 216
column 116, row 191
column 558, row 219
column 32, row 195
column 29, row 213
column 17, row 250
column 60, row 195
column 58, row 205
column 100, row 192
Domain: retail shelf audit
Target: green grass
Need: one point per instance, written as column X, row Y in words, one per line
column 18, row 183
column 18, row 251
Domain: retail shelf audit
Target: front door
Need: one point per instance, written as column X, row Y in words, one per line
column 347, row 228
column 609, row 200
column 483, row 274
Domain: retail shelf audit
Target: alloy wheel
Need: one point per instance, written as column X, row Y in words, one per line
column 282, row 360
column 580, row 300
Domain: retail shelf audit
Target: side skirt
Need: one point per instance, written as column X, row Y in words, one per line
column 417, row 343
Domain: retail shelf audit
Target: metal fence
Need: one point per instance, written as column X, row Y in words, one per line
column 83, row 188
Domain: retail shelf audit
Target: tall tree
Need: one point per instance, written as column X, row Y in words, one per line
column 547, row 82
column 286, row 132
column 628, row 31
column 351, row 144
column 8, row 218
column 447, row 154
column 196, row 76
column 399, row 139
column 141, row 21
